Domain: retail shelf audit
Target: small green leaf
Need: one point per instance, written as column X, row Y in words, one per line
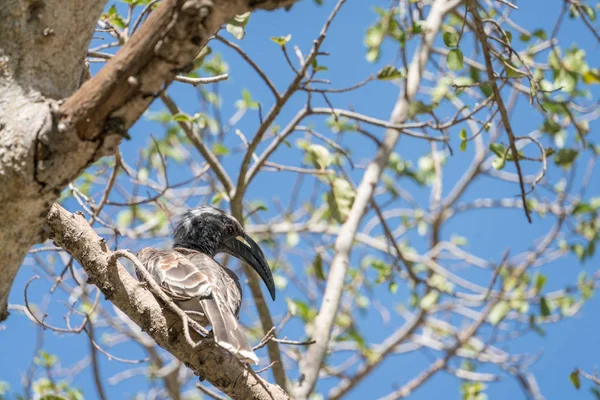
column 540, row 281
column 281, row 40
column 220, row 150
column 451, row 39
column 388, row 73
column 544, row 307
column 319, row 156
column 418, row 27
column 591, row 13
column 340, row 199
column 455, row 60
column 292, row 239
column 216, row 199
column 574, row 378
column 462, row 134
column 181, row 117
column 498, row 149
column 4, row 388
column 463, row 145
column 499, row 163
column 236, row 25
column 429, row 300
column 540, row 34
column 498, row 312
column 565, row 157
column 318, row 267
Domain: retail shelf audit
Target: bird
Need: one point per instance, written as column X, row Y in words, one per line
column 206, row 291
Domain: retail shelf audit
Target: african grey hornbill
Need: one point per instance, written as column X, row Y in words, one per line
column 208, row 292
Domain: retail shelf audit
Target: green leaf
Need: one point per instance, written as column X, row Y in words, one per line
column 236, row 25
column 574, row 378
column 540, row 34
column 498, row 149
column 499, row 163
column 450, row 39
column 181, row 117
column 463, row 145
column 220, row 150
column 418, row 107
column 455, row 60
column 292, row 239
column 393, row 287
column 539, row 282
column 565, row 157
column 340, row 199
column 318, row 267
column 429, row 300
column 45, row 360
column 524, row 38
column 591, row 76
column 544, row 307
column 582, row 208
column 498, row 312
column 388, row 73
column 372, row 54
column 591, row 13
column 4, row 387
column 281, row 40
column 217, row 198
column 462, row 134
column 319, row 156
column 418, row 27
column 374, row 36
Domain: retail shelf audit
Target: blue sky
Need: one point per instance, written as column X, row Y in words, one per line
column 569, row 344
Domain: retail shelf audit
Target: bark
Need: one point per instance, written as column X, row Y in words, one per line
column 211, row 362
column 51, row 129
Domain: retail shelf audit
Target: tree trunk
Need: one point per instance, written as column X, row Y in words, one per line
column 51, row 129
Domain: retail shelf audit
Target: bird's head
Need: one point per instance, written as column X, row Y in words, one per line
column 212, row 231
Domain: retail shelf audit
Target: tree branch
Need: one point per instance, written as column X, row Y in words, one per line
column 482, row 37
column 224, row 371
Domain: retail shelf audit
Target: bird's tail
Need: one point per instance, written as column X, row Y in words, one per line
column 227, row 331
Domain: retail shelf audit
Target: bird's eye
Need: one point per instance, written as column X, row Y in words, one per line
column 230, row 230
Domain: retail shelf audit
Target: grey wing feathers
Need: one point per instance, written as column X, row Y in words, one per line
column 177, row 275
column 227, row 331
column 208, row 292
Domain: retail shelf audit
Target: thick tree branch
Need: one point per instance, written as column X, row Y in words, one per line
column 46, row 141
column 73, row 233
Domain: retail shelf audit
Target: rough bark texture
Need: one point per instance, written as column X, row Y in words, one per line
column 50, row 130
column 224, row 371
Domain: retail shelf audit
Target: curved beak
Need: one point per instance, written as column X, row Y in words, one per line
column 246, row 249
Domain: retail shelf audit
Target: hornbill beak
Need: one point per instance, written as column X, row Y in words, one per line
column 244, row 248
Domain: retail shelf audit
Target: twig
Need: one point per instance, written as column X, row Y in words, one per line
column 259, row 71
column 202, row 81
column 482, row 37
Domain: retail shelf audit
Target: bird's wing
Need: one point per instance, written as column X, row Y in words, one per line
column 176, row 274
column 205, row 288
column 223, row 306
column 226, row 329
